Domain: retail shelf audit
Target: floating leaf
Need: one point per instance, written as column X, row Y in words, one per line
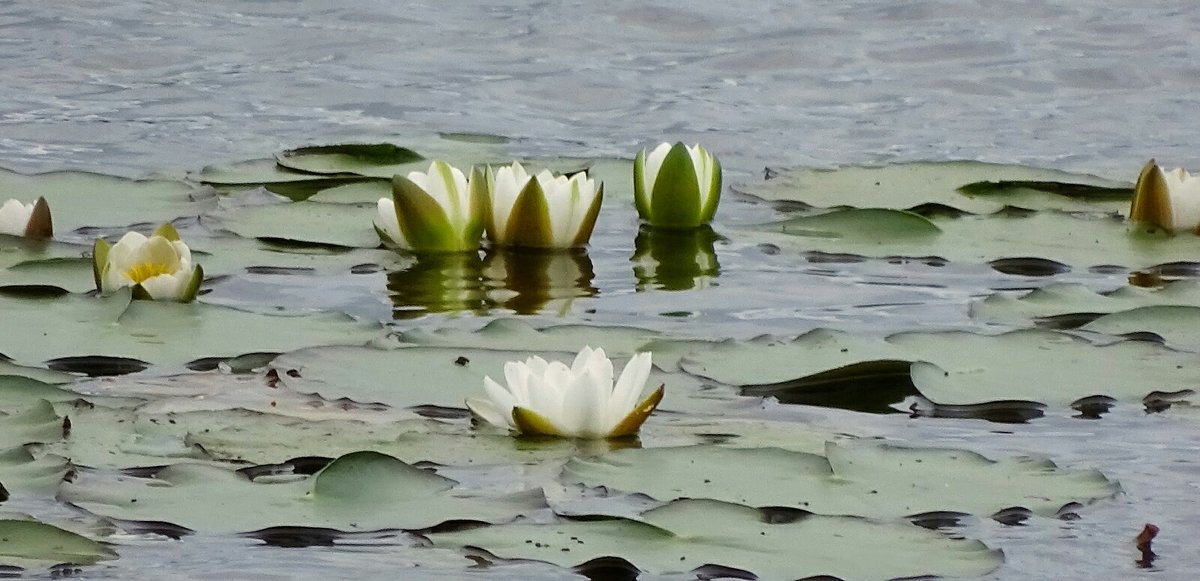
column 335, row 224
column 361, row 491
column 1067, row 298
column 375, row 159
column 970, row 186
column 30, row 544
column 852, row 478
column 771, row 543
column 1178, row 325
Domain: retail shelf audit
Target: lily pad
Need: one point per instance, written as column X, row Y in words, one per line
column 1072, row 239
column 335, row 224
column 1073, row 298
column 970, row 186
column 161, row 333
column 273, row 177
column 361, row 491
column 686, row 535
column 72, row 274
column 373, row 159
column 1178, row 325
column 30, row 544
column 80, row 199
column 852, row 478
column 518, row 335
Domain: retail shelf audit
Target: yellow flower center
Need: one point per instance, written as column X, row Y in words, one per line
column 139, row 273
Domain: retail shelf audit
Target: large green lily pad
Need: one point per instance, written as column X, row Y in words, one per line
column 160, row 333
column 771, row 543
column 518, row 335
column 361, row 491
column 1178, row 325
column 80, row 199
column 971, row 186
column 851, row 478
column 30, row 544
column 20, row 471
column 1074, row 298
column 334, row 224
column 375, row 159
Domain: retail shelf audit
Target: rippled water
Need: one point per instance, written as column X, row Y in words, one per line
column 134, row 87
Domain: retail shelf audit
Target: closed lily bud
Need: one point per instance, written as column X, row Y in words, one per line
column 1167, row 199
column 27, row 220
column 436, row 211
column 542, row 211
column 676, row 186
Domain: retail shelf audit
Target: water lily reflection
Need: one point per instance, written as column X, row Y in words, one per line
column 671, row 259
column 439, row 283
column 528, row 281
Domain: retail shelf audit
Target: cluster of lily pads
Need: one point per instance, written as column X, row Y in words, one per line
column 302, row 426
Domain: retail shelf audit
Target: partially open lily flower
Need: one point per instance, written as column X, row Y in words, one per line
column 436, row 211
column 27, row 220
column 542, row 211
column 158, row 268
column 676, row 186
column 1167, row 199
column 580, row 401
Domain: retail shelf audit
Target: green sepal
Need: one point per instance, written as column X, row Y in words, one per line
column 479, row 210
column 641, row 198
column 633, row 421
column 140, row 293
column 1151, row 199
column 99, row 262
column 529, row 222
column 589, row 220
column 167, row 231
column 675, row 201
column 193, row 286
column 531, row 423
column 424, row 223
column 40, row 225
column 709, row 210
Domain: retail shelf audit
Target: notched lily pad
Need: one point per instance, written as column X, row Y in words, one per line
column 687, row 535
column 335, row 224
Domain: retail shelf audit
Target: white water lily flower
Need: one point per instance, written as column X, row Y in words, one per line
column 1167, row 199
column 580, row 401
column 542, row 211
column 676, row 186
column 436, row 211
column 27, row 220
column 158, row 268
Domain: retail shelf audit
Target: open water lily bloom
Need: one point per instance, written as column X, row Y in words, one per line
column 158, row 268
column 676, row 186
column 1167, row 199
column 542, row 211
column 436, row 211
column 550, row 399
column 26, row 220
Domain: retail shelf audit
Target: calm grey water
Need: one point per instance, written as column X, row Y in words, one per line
column 134, row 87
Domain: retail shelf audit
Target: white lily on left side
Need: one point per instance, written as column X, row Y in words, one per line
column 436, row 211
column 550, row 399
column 158, row 268
column 27, row 220
column 542, row 211
column 1167, row 199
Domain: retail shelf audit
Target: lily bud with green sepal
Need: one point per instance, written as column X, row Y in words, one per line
column 436, row 211
column 550, row 399
column 1167, row 199
column 30, row 221
column 542, row 211
column 158, row 268
column 676, row 186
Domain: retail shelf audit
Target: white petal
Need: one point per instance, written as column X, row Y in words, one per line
column 1184, row 192
column 502, row 399
column 14, row 217
column 654, row 161
column 387, row 222
column 517, row 375
column 489, row 412
column 125, row 252
column 629, row 388
column 506, row 186
column 167, row 287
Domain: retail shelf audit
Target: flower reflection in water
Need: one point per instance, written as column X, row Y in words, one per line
column 670, row 259
column 529, row 281
column 523, row 281
column 439, row 283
